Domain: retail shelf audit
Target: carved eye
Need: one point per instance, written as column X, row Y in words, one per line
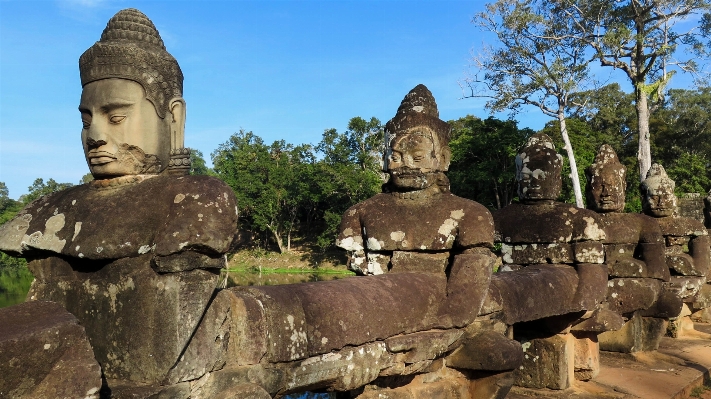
column 85, row 120
column 395, row 157
column 117, row 118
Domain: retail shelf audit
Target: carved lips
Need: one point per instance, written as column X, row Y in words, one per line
column 100, row 157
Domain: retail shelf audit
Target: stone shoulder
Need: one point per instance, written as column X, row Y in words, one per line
column 162, row 214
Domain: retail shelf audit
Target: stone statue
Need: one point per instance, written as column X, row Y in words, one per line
column 634, row 246
column 554, row 272
column 135, row 254
column 634, row 254
column 687, row 244
column 659, row 201
column 416, row 219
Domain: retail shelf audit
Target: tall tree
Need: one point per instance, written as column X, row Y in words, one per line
column 39, row 188
column 483, row 154
column 640, row 38
column 536, row 63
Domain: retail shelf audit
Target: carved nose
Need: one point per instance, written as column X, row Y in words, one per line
column 92, row 143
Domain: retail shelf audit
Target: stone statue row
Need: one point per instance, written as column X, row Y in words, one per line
column 127, row 301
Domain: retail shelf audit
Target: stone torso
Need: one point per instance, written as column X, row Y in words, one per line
column 386, row 222
column 548, row 233
column 135, row 261
column 162, row 215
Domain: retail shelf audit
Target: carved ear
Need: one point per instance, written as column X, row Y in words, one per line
column 445, row 158
column 177, row 123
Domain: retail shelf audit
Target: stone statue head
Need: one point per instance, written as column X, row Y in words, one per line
column 658, row 198
column 605, row 190
column 132, row 106
column 538, row 169
column 417, row 153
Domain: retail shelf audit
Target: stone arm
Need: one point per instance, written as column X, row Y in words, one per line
column 588, row 237
column 650, row 249
column 699, row 250
column 350, row 239
column 199, row 229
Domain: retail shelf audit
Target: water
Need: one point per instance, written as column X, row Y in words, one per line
column 14, row 285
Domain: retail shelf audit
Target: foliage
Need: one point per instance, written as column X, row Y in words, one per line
column 8, row 206
column 40, row 188
column 537, row 63
column 483, row 153
column 198, row 166
column 641, row 38
column 285, row 190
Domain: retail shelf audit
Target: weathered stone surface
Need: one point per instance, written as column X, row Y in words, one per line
column 308, row 319
column 519, row 224
column 691, row 205
column 685, row 287
column 589, row 252
column 138, row 321
column 702, row 299
column 668, row 304
column 344, row 370
column 230, row 379
column 124, row 390
column 638, row 334
column 547, row 363
column 626, row 295
column 178, row 214
column 425, row 262
column 44, row 353
column 587, row 356
column 486, row 350
column 537, row 253
column 467, row 286
column 600, row 320
column 208, row 347
column 426, row 345
column 535, row 292
column 591, row 289
column 492, row 386
column 681, row 325
column 439, row 389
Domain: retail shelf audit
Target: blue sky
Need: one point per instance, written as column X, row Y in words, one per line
column 282, row 69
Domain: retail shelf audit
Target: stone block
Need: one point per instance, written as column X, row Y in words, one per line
column 702, row 299
column 535, row 292
column 686, row 287
column 537, row 253
column 592, row 286
column 44, row 353
column 344, row 370
column 703, row 315
column 138, row 321
column 411, row 261
column 638, row 334
column 668, row 304
column 684, row 265
column 547, row 363
column 486, row 350
column 491, row 386
column 425, row 345
column 589, row 252
column 587, row 356
column 600, row 320
column 626, row 295
column 305, row 320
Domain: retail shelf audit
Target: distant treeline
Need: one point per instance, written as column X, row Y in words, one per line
column 292, row 195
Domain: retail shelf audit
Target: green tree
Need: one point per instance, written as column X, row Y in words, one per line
column 483, row 159
column 39, row 188
column 640, row 38
column 536, row 63
column 198, row 166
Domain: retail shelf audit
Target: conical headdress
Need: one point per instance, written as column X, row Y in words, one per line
column 656, row 177
column 418, row 109
column 131, row 48
column 605, row 160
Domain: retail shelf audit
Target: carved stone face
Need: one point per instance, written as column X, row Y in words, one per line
column 411, row 159
column 659, row 200
column 607, row 191
column 122, row 133
column 539, row 180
